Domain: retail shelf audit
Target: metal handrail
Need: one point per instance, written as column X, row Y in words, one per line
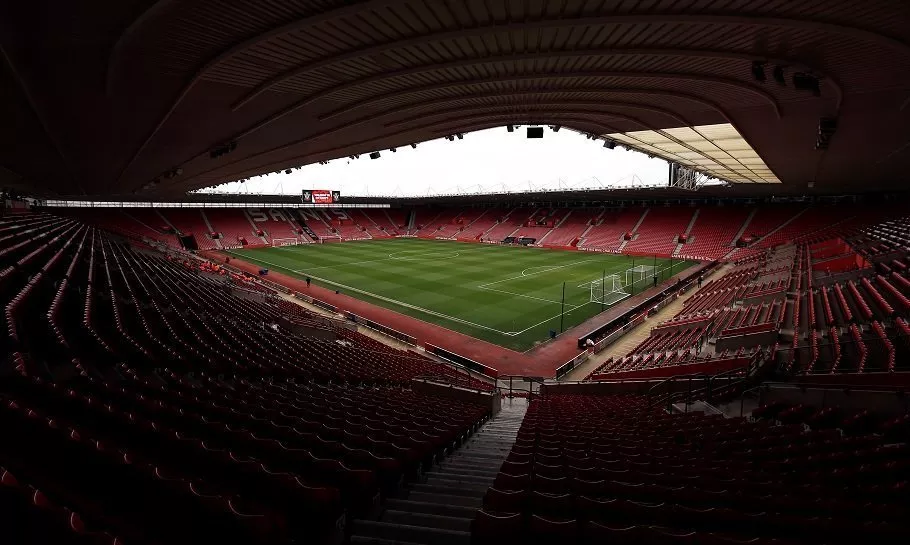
column 669, row 395
column 533, row 380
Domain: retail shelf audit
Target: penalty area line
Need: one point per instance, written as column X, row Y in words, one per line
column 527, row 296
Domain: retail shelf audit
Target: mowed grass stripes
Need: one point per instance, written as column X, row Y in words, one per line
column 511, row 296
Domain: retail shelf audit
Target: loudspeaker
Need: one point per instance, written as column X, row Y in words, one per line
column 535, row 132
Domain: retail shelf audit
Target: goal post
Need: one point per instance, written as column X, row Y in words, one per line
column 607, row 290
column 278, row 242
column 638, row 273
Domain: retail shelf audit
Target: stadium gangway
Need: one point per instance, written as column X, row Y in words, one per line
column 533, row 386
column 705, row 385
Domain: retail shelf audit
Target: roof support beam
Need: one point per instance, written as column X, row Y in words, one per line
column 734, row 20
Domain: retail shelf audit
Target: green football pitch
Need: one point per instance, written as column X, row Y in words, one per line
column 511, row 296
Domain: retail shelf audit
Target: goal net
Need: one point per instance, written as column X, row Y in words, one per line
column 607, row 290
column 285, row 241
column 638, row 273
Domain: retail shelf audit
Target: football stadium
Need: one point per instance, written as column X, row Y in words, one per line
column 547, row 272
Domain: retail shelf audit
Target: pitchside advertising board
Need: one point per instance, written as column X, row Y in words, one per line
column 320, row 196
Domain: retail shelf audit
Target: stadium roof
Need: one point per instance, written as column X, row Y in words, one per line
column 718, row 150
column 158, row 97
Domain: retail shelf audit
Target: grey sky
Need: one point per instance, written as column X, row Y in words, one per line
column 488, row 161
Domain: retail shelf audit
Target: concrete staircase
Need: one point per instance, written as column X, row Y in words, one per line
column 440, row 509
column 679, row 246
column 742, row 230
column 208, row 225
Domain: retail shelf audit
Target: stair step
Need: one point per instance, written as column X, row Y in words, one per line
column 461, row 477
column 493, row 438
column 468, row 470
column 379, row 541
column 470, row 490
column 446, row 480
column 446, row 499
column 484, row 452
column 411, row 534
column 432, row 508
column 461, row 524
column 497, row 446
column 482, row 464
column 478, row 454
column 484, row 438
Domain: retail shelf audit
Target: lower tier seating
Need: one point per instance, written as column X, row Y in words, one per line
column 613, row 469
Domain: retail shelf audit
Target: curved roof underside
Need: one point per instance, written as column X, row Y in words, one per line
column 105, row 97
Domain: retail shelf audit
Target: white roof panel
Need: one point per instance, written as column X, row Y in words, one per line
column 717, row 150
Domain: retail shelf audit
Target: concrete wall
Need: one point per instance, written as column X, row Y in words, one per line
column 487, row 399
column 749, row 340
column 628, row 386
column 883, row 402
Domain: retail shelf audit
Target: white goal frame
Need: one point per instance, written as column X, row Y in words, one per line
column 603, row 290
column 639, row 273
column 278, row 242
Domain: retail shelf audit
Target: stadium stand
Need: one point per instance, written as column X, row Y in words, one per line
column 617, row 469
column 573, row 227
column 508, row 222
column 225, row 434
column 376, row 227
column 151, row 395
column 712, row 236
column 104, row 336
column 657, row 234
column 608, row 232
column 474, row 223
column 190, row 222
column 439, row 224
column 235, row 227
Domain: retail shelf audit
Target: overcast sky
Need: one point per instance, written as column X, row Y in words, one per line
column 488, row 161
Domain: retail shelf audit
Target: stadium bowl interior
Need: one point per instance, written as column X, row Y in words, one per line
column 699, row 363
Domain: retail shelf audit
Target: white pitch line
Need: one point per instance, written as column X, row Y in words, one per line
column 534, row 273
column 526, row 296
column 410, row 306
column 547, row 320
column 390, row 300
column 389, row 258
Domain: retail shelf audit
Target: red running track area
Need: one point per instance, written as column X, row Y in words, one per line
column 541, row 361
